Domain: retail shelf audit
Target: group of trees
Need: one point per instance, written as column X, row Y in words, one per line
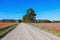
column 30, row 16
column 43, row 21
column 47, row 21
column 10, row 20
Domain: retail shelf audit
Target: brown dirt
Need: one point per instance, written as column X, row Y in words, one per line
column 51, row 26
column 3, row 25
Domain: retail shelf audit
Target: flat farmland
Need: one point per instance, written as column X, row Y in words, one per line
column 51, row 26
column 4, row 25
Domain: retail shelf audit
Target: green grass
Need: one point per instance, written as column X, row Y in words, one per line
column 5, row 30
column 54, row 32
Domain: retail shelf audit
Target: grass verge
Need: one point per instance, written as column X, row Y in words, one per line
column 6, row 30
column 54, row 32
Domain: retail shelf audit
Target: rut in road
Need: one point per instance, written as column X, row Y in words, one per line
column 27, row 32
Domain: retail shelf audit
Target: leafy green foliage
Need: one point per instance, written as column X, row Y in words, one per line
column 29, row 16
column 43, row 21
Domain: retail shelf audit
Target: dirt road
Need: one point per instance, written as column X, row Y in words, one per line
column 28, row 32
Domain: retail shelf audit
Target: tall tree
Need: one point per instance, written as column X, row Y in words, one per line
column 29, row 16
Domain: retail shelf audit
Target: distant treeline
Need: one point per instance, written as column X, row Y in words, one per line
column 10, row 20
column 47, row 21
column 36, row 21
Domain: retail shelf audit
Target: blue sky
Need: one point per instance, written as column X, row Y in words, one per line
column 15, row 9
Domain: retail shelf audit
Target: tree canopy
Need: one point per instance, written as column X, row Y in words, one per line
column 29, row 16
